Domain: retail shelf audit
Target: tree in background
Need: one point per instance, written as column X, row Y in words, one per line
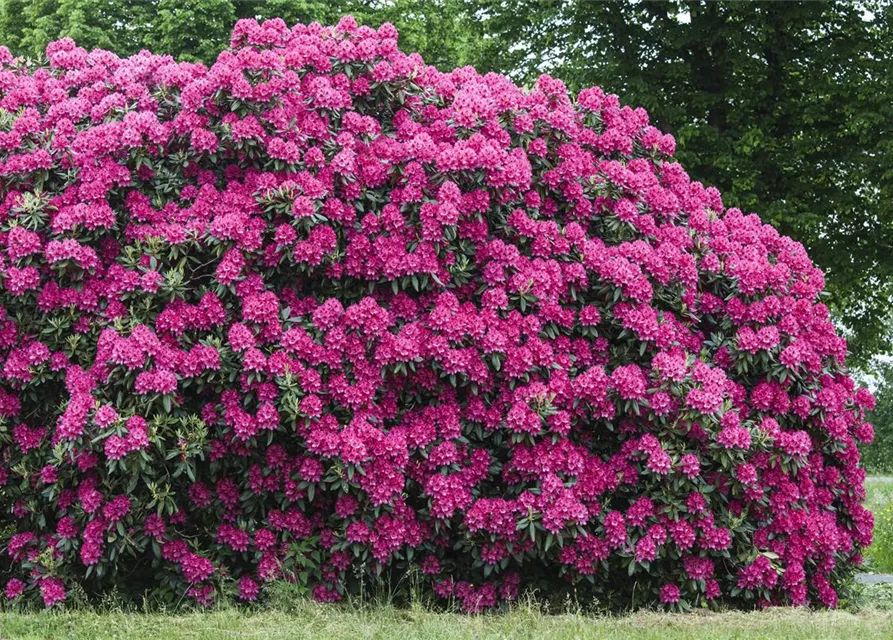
column 783, row 106
column 878, row 457
column 198, row 30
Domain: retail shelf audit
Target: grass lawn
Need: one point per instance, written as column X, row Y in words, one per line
column 336, row 623
column 880, row 492
column 880, row 500
column 871, row 616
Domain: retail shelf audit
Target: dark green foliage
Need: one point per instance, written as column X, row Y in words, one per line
column 782, row 105
column 878, row 457
column 198, row 30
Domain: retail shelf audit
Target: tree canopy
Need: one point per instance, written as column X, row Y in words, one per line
column 783, row 106
column 197, row 30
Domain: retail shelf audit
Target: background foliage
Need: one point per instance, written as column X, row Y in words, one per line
column 443, row 31
column 781, row 105
column 878, row 458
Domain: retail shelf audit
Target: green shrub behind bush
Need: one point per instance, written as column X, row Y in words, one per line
column 878, row 456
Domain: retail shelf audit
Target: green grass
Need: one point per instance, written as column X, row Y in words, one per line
column 341, row 623
column 880, row 492
column 880, row 500
column 869, row 615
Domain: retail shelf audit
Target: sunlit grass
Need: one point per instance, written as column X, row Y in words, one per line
column 880, row 500
column 344, row 623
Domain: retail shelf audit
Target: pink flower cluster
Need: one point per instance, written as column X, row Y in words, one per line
column 323, row 313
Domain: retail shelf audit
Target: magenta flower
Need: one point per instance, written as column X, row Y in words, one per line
column 322, row 312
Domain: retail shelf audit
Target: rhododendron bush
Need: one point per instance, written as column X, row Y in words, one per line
column 324, row 314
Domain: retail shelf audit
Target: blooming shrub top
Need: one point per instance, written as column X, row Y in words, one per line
column 323, row 313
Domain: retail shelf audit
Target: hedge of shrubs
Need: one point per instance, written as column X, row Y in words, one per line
column 324, row 314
